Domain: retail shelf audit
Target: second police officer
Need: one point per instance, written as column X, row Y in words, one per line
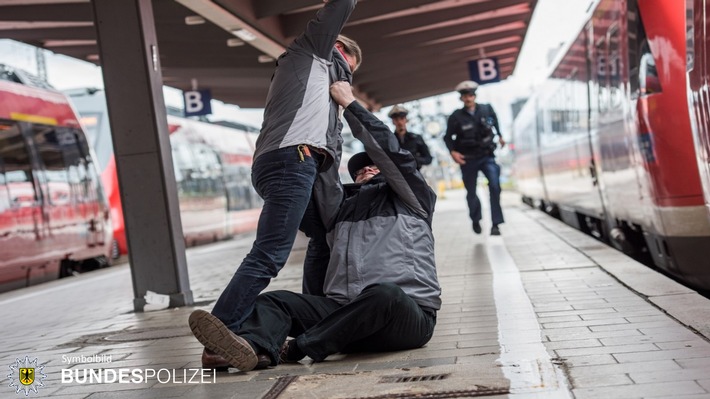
column 411, row 142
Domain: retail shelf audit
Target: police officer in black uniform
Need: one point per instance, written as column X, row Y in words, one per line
column 470, row 139
column 411, row 142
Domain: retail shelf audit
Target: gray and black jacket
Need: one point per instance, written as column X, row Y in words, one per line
column 382, row 231
column 299, row 109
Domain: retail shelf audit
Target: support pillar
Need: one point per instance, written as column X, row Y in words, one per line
column 134, row 92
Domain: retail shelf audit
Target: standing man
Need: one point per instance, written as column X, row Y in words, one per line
column 300, row 140
column 382, row 292
column 469, row 138
column 411, row 142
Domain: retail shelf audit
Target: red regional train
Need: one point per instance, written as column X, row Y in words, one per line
column 606, row 143
column 697, row 52
column 212, row 169
column 54, row 218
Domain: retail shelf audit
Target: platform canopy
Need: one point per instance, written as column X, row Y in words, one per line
column 412, row 48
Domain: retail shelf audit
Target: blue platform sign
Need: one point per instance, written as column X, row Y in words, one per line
column 197, row 102
column 484, row 70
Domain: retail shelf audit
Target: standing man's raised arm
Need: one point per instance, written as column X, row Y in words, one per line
column 322, row 32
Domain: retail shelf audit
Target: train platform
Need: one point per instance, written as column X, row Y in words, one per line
column 542, row 311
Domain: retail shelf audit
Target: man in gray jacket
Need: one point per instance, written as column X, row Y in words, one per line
column 382, row 291
column 300, row 139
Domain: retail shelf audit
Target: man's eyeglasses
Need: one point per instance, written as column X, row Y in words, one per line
column 365, row 169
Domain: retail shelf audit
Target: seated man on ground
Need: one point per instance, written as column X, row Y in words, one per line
column 382, row 291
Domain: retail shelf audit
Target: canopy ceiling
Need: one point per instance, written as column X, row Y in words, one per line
column 412, row 48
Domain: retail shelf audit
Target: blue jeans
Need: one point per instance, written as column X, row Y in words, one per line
column 469, row 173
column 285, row 182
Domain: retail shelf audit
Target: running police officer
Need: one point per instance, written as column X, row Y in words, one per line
column 470, row 139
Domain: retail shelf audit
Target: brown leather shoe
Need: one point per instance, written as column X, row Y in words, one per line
column 211, row 360
column 215, row 336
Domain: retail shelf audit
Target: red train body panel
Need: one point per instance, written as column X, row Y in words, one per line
column 698, row 68
column 54, row 217
column 610, row 130
column 212, row 166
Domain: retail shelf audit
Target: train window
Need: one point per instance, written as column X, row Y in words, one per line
column 648, row 75
column 100, row 140
column 17, row 165
column 90, row 177
column 50, row 153
column 64, row 164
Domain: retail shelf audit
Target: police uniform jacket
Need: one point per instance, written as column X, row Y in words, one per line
column 415, row 144
column 472, row 134
column 382, row 231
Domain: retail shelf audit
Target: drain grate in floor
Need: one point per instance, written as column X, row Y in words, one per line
column 281, row 384
column 425, row 382
column 389, row 379
column 480, row 391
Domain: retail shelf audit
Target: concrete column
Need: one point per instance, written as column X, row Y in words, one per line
column 133, row 80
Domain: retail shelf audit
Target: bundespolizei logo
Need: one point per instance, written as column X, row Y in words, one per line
column 26, row 376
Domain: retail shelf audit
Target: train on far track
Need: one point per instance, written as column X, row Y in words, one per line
column 212, row 165
column 54, row 217
column 615, row 141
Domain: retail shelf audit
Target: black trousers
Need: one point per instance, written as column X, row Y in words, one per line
column 382, row 318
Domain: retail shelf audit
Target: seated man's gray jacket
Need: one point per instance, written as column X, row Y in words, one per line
column 382, row 232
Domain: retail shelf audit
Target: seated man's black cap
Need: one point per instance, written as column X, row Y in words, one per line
column 357, row 162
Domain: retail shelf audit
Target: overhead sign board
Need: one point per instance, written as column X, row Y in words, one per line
column 484, row 70
column 197, row 102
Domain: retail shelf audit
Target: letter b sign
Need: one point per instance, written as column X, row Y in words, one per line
column 197, row 102
column 484, row 70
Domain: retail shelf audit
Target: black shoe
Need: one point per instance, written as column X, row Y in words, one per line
column 211, row 360
column 263, row 361
column 477, row 227
column 290, row 352
column 495, row 231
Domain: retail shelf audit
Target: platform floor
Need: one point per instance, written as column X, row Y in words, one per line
column 541, row 312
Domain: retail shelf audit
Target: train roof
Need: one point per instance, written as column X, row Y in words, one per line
column 17, row 75
column 25, row 100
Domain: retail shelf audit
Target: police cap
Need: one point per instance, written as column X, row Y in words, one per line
column 467, row 87
column 397, row 111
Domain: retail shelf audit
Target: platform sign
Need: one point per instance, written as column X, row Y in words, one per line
column 197, row 102
column 484, row 70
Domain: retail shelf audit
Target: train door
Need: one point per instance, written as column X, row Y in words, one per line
column 7, row 228
column 54, row 187
column 78, row 157
column 20, row 207
column 70, row 189
column 598, row 100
